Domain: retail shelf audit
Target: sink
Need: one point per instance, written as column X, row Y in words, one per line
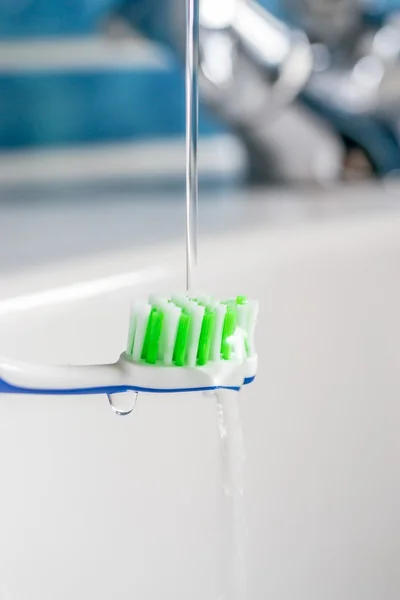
column 97, row 506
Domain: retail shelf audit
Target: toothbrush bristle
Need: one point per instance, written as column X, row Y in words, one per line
column 183, row 331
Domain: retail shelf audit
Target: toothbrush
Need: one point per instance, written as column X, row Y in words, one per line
column 176, row 344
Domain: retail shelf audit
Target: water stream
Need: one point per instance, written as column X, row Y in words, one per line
column 232, row 575
column 192, row 119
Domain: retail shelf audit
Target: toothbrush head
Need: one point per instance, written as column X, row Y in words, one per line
column 177, row 344
column 196, row 339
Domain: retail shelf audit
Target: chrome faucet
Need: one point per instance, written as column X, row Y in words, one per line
column 333, row 22
column 249, row 59
column 251, row 67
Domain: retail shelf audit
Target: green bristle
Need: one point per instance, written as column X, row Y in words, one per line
column 153, row 331
column 228, row 330
column 207, row 328
column 157, row 318
column 241, row 300
column 179, row 355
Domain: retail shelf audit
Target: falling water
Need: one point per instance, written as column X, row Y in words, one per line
column 232, row 572
column 192, row 118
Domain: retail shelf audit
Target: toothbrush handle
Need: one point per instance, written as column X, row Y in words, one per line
column 24, row 378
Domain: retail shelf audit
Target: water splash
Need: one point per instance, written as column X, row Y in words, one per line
column 123, row 403
column 234, row 530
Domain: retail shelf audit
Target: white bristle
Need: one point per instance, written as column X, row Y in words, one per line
column 251, row 325
column 242, row 312
column 238, row 344
column 157, row 300
column 212, row 303
column 142, row 313
column 172, row 315
column 220, row 310
column 182, row 301
column 197, row 314
column 204, row 299
column 131, row 334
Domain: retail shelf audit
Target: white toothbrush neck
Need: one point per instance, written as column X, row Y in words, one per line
column 17, row 377
column 40, row 377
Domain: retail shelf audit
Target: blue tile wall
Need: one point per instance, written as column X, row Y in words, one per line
column 39, row 109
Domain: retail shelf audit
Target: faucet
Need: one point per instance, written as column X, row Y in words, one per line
column 355, row 85
column 334, row 65
column 335, row 22
column 252, row 65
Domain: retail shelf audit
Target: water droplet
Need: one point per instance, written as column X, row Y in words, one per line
column 123, row 403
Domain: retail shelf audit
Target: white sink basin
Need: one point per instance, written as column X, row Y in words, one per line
column 96, row 506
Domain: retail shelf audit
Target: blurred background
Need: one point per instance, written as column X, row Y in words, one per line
column 299, row 159
column 295, row 95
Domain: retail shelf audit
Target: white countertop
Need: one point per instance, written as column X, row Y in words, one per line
column 49, row 227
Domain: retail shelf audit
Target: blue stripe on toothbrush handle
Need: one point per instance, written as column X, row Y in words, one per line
column 8, row 388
